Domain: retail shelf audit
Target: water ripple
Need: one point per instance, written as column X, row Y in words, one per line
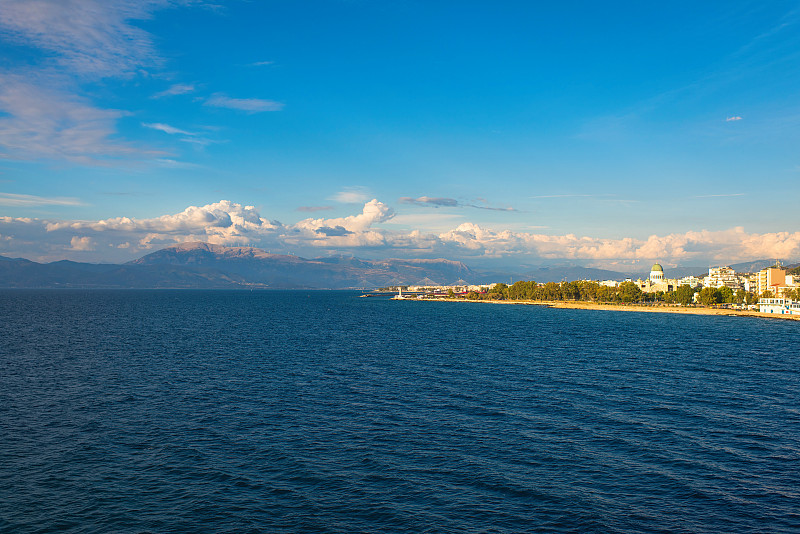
column 175, row 411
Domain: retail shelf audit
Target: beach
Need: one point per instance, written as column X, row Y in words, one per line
column 581, row 305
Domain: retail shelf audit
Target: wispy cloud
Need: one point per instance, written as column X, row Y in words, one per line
column 734, row 118
column 570, row 196
column 436, row 202
column 720, row 195
column 54, row 124
column 261, row 63
column 92, row 38
column 175, row 164
column 444, row 202
column 166, row 128
column 46, row 116
column 177, row 89
column 17, row 200
column 250, row 105
column 313, row 209
column 351, row 195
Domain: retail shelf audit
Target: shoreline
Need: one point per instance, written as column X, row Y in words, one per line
column 580, row 305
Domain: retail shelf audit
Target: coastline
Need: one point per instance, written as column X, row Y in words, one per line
column 580, row 305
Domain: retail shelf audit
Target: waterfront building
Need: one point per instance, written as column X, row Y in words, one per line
column 776, row 280
column 780, row 306
column 657, row 282
column 722, row 277
column 691, row 281
column 656, row 274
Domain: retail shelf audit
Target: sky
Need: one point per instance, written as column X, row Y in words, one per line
column 606, row 134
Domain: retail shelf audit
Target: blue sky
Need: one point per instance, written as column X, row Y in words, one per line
column 609, row 134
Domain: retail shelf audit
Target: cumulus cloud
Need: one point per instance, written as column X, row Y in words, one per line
column 250, row 105
column 230, row 223
column 81, row 243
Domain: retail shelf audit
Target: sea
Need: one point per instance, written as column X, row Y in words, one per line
column 319, row 411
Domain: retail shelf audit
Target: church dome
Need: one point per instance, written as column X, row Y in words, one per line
column 656, row 268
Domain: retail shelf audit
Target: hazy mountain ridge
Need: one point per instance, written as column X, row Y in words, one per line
column 207, row 266
column 203, row 265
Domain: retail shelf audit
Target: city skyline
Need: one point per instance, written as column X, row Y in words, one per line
column 610, row 136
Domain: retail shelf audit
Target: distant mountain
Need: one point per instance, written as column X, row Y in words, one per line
column 280, row 271
column 67, row 274
column 755, row 266
column 205, row 266
column 201, row 265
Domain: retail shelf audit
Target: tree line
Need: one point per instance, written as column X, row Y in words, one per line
column 624, row 293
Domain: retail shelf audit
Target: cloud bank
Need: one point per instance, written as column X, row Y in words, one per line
column 229, row 223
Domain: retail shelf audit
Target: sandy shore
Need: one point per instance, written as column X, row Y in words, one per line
column 579, row 305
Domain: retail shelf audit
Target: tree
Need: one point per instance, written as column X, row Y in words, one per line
column 630, row 292
column 725, row 294
column 709, row 296
column 684, row 295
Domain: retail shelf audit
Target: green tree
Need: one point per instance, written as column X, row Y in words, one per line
column 709, row 296
column 725, row 294
column 684, row 295
column 630, row 292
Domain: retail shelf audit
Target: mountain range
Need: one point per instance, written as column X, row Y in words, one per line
column 206, row 266
column 202, row 265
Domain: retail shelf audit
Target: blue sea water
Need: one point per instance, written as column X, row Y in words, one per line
column 224, row 411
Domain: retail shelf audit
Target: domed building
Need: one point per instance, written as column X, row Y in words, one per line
column 656, row 274
column 657, row 281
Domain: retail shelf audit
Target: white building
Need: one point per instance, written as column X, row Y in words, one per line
column 722, row 277
column 779, row 305
column 691, row 281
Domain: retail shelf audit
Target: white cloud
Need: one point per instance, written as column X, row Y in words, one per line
column 90, row 37
column 439, row 202
column 312, row 209
column 176, row 89
column 720, row 195
column 17, row 200
column 351, row 195
column 734, row 118
column 82, row 243
column 229, row 223
column 50, row 123
column 250, row 105
column 79, row 41
column 166, row 128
